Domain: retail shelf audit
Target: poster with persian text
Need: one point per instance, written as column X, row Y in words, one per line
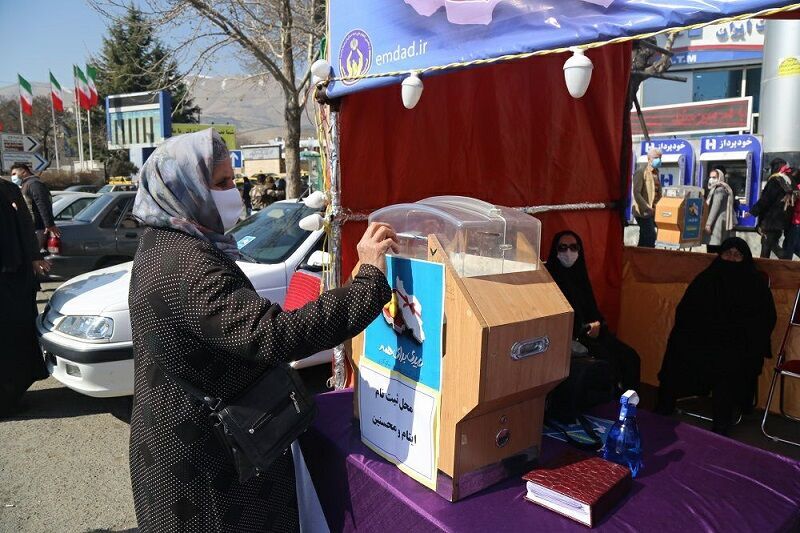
column 400, row 373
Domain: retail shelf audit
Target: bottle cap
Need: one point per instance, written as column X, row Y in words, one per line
column 629, row 398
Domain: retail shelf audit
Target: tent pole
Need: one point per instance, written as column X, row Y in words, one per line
column 337, row 220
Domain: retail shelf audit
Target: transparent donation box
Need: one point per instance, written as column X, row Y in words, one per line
column 506, row 335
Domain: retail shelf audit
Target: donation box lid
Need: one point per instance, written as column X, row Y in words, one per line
column 480, row 239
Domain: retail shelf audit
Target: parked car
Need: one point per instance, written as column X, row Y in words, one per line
column 83, row 188
column 66, row 206
column 116, row 187
column 85, row 330
column 102, row 234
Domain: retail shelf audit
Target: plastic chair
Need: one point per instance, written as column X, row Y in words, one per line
column 695, row 414
column 784, row 369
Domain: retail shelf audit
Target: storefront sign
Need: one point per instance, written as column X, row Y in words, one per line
column 400, row 374
column 226, row 131
column 730, row 114
column 261, row 153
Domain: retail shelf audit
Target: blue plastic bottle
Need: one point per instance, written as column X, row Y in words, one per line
column 624, row 444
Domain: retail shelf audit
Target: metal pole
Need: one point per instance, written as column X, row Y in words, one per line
column 337, row 219
column 55, row 131
column 641, row 118
column 76, row 110
column 19, row 103
column 89, row 122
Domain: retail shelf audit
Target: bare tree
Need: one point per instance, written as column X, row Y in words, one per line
column 278, row 37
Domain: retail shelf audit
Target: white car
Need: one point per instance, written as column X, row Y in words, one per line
column 85, row 330
column 66, row 206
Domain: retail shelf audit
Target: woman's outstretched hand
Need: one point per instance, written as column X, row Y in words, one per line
column 378, row 240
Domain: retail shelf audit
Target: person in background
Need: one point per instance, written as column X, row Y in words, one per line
column 258, row 194
column 567, row 265
column 774, row 208
column 646, row 194
column 195, row 315
column 721, row 213
column 246, row 189
column 721, row 336
column 792, row 242
column 280, row 188
column 40, row 203
column 20, row 262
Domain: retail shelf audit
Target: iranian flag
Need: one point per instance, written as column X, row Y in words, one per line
column 55, row 94
column 81, row 89
column 25, row 96
column 91, row 77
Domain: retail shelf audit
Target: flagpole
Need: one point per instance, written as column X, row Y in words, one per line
column 89, row 122
column 55, row 130
column 78, row 120
column 19, row 103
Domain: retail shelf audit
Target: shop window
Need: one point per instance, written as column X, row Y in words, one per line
column 753, row 87
column 716, row 84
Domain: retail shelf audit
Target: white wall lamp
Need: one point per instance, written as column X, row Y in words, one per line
column 578, row 73
column 316, row 200
column 320, row 71
column 411, row 91
column 312, row 222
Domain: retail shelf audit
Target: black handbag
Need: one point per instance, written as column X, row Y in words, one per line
column 260, row 424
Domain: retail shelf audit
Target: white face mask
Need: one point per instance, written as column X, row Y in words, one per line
column 567, row 258
column 17, row 180
column 712, row 181
column 229, row 206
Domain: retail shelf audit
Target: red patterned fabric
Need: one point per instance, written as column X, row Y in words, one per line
column 509, row 134
column 304, row 287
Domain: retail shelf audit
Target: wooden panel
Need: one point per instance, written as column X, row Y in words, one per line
column 505, row 376
column 518, row 297
column 477, row 436
column 654, row 281
column 462, row 363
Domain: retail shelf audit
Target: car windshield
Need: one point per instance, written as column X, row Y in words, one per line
column 272, row 234
column 92, row 210
column 105, row 188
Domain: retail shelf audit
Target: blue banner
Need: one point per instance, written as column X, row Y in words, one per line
column 382, row 36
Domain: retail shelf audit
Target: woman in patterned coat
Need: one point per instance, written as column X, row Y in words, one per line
column 194, row 313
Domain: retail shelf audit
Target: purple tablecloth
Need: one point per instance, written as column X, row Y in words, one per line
column 693, row 480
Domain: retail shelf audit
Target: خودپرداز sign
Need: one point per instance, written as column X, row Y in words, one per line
column 399, row 384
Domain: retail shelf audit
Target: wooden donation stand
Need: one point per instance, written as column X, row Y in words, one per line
column 507, row 335
column 680, row 217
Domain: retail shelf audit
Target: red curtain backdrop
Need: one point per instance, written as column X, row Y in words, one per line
column 509, row 134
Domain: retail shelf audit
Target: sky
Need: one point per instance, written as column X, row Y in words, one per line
column 54, row 35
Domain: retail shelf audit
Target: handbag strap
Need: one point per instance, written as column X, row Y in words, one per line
column 207, row 400
column 597, row 442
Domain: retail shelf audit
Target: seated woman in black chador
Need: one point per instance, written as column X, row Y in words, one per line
column 721, row 336
column 567, row 265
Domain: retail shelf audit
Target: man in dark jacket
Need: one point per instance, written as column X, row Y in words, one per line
column 774, row 208
column 39, row 201
column 245, row 192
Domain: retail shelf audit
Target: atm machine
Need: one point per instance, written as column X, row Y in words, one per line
column 741, row 157
column 677, row 164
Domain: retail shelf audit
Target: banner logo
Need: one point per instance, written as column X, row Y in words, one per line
column 355, row 56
